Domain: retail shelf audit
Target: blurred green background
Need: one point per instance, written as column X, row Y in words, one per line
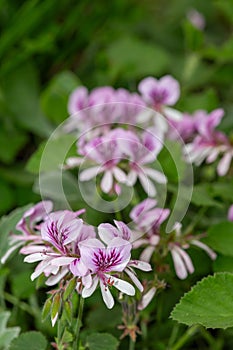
column 47, row 48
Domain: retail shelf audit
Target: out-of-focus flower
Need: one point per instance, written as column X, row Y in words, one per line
column 146, row 298
column 182, row 262
column 230, row 213
column 210, row 143
column 148, row 219
column 102, row 106
column 141, row 152
column 159, row 92
column 29, row 226
column 196, row 18
column 106, row 153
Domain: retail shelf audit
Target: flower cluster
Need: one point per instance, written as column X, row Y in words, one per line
column 148, row 218
column 66, row 247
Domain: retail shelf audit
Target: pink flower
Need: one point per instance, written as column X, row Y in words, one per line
column 108, row 232
column 105, row 264
column 162, row 92
column 29, row 227
column 182, row 262
column 148, row 219
column 61, row 228
column 106, row 153
column 230, row 213
column 29, row 222
column 140, row 152
column 209, row 143
column 102, row 106
column 196, row 18
column 101, row 262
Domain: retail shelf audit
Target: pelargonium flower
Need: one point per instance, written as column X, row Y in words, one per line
column 141, row 152
column 182, row 261
column 196, row 18
column 160, row 92
column 106, row 153
column 102, row 106
column 105, row 265
column 29, row 226
column 60, row 235
column 147, row 219
column 209, row 143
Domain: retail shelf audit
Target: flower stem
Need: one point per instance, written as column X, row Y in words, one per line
column 187, row 335
column 78, row 324
column 131, row 344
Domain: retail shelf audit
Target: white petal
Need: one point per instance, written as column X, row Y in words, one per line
column 147, row 185
column 40, row 269
column 62, row 261
column 89, row 173
column 156, row 175
column 106, row 182
column 10, row 251
column 173, row 113
column 123, row 286
column 54, row 320
column 146, row 299
column 224, row 164
column 147, row 253
column 54, row 279
column 141, row 265
column 134, row 278
column 107, row 296
column 186, row 259
column 87, row 292
column 179, row 265
column 131, row 178
column 119, row 175
column 203, row 246
column 35, row 257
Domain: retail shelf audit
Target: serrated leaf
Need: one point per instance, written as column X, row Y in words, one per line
column 51, row 154
column 29, row 340
column 220, row 238
column 209, row 303
column 102, row 341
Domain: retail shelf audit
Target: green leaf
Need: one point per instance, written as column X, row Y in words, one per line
column 6, row 334
column 223, row 264
column 220, row 238
column 25, row 289
column 172, row 162
column 17, row 141
column 136, row 58
column 202, row 196
column 7, row 197
column 21, row 93
column 209, row 303
column 54, row 98
column 29, row 340
column 102, row 341
column 52, row 153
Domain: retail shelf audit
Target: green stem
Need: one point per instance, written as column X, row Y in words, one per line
column 187, row 335
column 23, row 306
column 78, row 324
column 131, row 344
